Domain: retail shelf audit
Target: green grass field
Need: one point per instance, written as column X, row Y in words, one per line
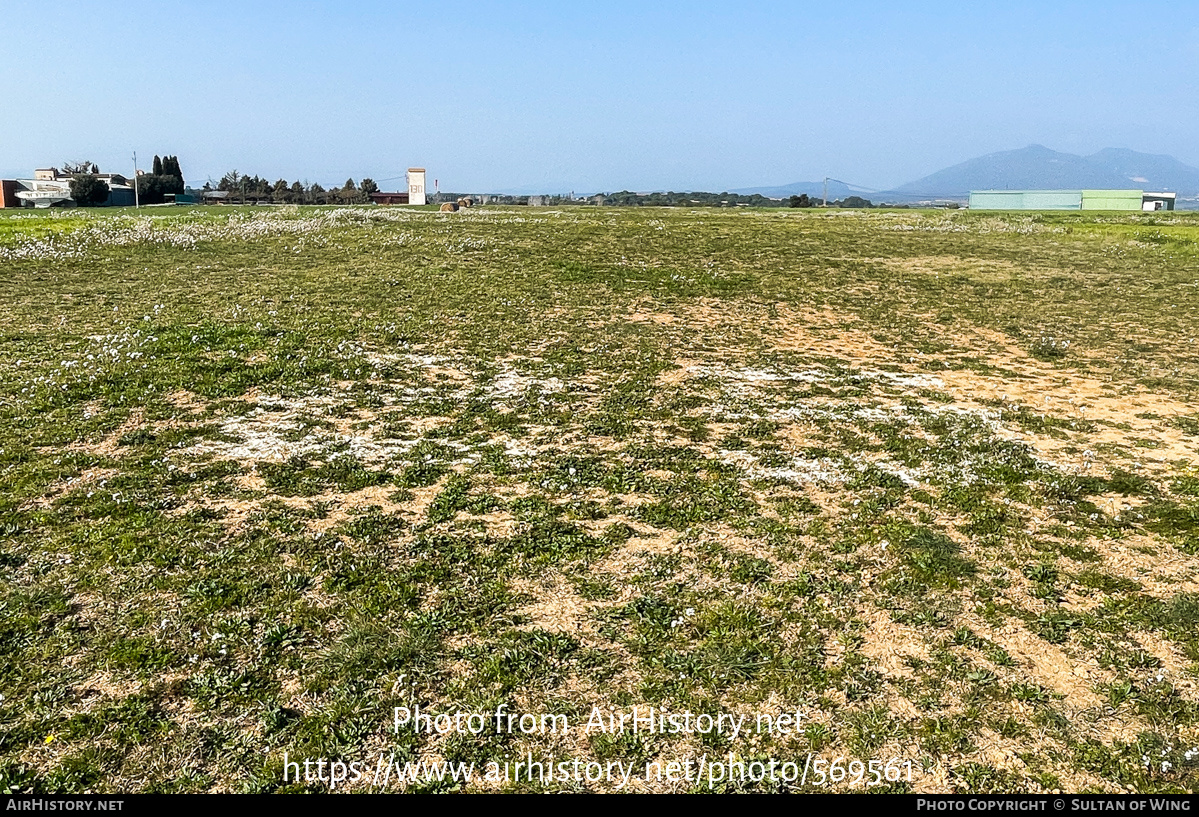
column 924, row 480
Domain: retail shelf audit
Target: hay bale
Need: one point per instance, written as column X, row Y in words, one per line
column 466, row 201
column 449, row 207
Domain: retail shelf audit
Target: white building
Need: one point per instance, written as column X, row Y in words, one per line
column 416, row 185
column 50, row 186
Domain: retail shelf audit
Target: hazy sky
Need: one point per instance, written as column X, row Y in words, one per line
column 562, row 96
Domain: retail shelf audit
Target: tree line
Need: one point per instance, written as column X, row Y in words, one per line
column 166, row 177
column 256, row 189
column 698, row 199
column 802, row 200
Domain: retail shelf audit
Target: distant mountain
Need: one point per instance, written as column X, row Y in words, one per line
column 1148, row 171
column 836, row 190
column 1038, row 168
column 1034, row 167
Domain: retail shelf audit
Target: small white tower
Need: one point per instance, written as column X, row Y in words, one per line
column 416, row 185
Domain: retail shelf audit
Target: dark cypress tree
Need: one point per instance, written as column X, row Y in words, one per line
column 157, row 166
column 171, row 176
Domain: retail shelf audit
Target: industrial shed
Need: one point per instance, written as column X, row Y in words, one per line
column 8, row 193
column 1026, row 200
column 1112, row 199
column 1134, row 200
column 389, row 198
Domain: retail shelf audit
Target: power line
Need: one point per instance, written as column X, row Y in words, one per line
column 858, row 188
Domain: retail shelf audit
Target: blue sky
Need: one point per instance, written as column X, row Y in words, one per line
column 590, row 96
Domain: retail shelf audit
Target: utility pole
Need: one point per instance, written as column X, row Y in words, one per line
column 137, row 202
column 825, row 204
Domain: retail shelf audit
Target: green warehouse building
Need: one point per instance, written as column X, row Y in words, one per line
column 1137, row 200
